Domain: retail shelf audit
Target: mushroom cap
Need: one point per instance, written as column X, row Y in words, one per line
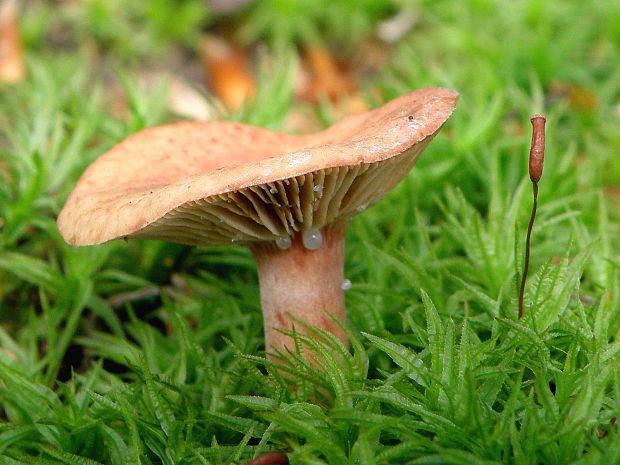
column 213, row 183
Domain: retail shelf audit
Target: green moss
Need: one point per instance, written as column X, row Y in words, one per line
column 151, row 353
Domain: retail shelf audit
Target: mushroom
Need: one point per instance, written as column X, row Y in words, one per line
column 287, row 197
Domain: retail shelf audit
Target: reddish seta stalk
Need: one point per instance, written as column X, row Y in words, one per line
column 537, row 157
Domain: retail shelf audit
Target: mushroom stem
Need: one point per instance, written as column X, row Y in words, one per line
column 298, row 283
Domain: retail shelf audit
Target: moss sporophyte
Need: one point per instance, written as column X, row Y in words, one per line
column 288, row 198
column 536, row 160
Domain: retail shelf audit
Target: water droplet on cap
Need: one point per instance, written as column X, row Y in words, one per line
column 312, row 239
column 318, row 188
column 361, row 208
column 283, row 242
column 346, row 285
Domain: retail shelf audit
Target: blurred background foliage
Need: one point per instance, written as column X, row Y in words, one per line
column 151, row 352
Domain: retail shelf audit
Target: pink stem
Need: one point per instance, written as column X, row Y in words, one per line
column 303, row 284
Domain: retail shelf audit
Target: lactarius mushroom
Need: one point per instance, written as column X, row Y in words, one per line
column 287, row 197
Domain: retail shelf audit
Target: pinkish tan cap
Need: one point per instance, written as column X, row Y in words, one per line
column 287, row 197
column 216, row 183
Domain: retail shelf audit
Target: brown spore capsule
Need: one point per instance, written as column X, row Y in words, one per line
column 537, row 150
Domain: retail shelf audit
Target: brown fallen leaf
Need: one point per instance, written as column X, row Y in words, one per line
column 227, row 71
column 327, row 79
column 11, row 55
column 614, row 193
column 578, row 97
